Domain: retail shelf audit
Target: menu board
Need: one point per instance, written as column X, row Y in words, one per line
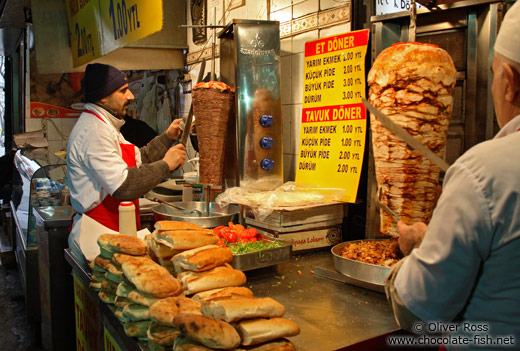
column 333, row 122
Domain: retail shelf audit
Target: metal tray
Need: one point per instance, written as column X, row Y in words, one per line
column 360, row 273
column 217, row 215
column 263, row 258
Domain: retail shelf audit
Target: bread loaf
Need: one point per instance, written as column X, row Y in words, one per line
column 233, row 292
column 202, row 258
column 165, row 310
column 218, row 277
column 161, row 334
column 127, row 244
column 274, row 345
column 175, row 225
column 185, row 239
column 151, row 278
column 136, row 312
column 208, row 331
column 233, row 310
column 256, row 331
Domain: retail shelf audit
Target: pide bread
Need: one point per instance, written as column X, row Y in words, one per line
column 161, row 250
column 232, row 292
column 101, row 262
column 208, row 331
column 136, row 312
column 218, row 277
column 127, row 244
column 109, row 286
column 121, row 301
column 119, row 314
column 165, row 310
column 141, row 298
column 106, row 297
column 136, row 329
column 185, row 239
column 232, row 310
column 161, row 334
column 151, row 278
column 256, row 331
column 183, row 343
column 123, row 289
column 175, row 225
column 275, row 345
column 202, row 258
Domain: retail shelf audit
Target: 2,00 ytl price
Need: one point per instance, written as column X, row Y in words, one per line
column 84, row 41
column 124, row 20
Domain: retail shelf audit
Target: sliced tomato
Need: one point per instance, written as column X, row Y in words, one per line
column 230, row 236
column 252, row 232
column 221, row 242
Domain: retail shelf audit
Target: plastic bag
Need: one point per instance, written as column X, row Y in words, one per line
column 290, row 194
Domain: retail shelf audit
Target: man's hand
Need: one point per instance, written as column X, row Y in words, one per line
column 175, row 156
column 174, row 131
column 410, row 237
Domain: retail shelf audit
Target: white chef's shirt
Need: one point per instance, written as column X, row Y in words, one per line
column 468, row 264
column 95, row 167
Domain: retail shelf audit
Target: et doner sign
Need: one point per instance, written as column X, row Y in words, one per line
column 98, row 27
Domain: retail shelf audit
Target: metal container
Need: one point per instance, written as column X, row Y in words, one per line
column 263, row 258
column 217, row 215
column 362, row 274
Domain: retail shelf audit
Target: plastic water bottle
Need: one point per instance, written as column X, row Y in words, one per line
column 187, row 193
column 127, row 224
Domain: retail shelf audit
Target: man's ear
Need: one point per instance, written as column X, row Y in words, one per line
column 512, row 77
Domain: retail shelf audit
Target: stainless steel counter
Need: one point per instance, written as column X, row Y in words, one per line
column 331, row 315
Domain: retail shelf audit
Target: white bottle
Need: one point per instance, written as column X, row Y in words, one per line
column 187, row 193
column 127, row 223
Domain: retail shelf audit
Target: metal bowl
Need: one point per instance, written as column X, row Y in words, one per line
column 364, row 273
column 217, row 215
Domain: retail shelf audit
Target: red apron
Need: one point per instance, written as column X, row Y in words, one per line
column 107, row 212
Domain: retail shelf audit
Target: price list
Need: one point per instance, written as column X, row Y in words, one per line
column 333, row 121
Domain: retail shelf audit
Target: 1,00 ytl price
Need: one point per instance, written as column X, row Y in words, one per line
column 124, row 19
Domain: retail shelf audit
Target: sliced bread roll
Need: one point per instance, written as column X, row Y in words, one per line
column 106, row 297
column 161, row 250
column 233, row 310
column 136, row 329
column 256, row 331
column 175, row 225
column 232, row 292
column 209, row 332
column 151, row 278
column 185, row 239
column 274, row 345
column 218, row 277
column 136, row 312
column 127, row 244
column 161, row 334
column 165, row 310
column 183, row 343
column 202, row 258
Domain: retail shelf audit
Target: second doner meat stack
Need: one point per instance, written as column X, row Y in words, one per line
column 212, row 107
column 412, row 84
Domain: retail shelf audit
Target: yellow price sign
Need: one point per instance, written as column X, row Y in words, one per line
column 333, row 128
column 98, row 27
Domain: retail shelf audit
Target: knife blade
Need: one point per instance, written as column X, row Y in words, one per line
column 187, row 126
column 406, row 137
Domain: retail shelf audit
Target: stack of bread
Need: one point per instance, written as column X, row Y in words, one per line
column 172, row 237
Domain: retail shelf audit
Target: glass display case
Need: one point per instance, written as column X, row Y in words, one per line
column 39, row 179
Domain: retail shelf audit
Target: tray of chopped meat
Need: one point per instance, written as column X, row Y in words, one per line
column 366, row 261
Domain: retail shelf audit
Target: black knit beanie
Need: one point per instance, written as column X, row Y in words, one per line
column 101, row 80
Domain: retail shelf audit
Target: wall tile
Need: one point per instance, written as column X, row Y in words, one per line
column 53, row 125
column 298, row 43
column 68, row 124
column 282, row 15
column 279, row 4
column 339, row 29
column 327, row 4
column 297, row 78
column 286, row 81
column 296, row 117
column 32, row 124
column 305, row 8
column 285, row 47
column 286, row 131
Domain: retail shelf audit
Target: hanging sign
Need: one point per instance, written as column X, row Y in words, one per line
column 98, row 27
column 333, row 123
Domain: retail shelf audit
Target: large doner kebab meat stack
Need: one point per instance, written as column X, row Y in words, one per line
column 212, row 107
column 412, row 84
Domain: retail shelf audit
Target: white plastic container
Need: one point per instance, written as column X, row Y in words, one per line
column 127, row 223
